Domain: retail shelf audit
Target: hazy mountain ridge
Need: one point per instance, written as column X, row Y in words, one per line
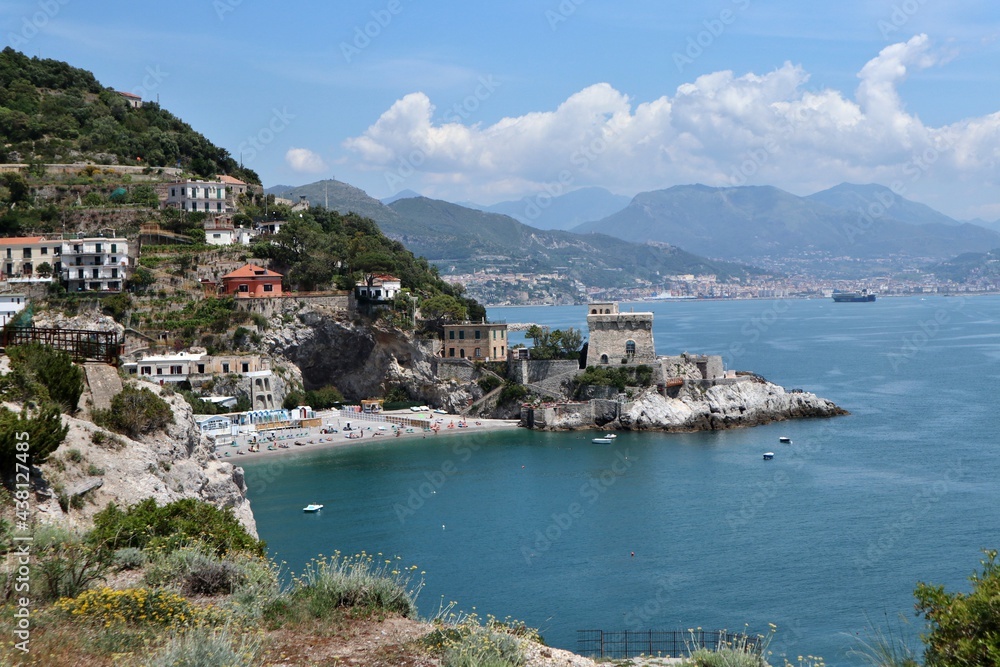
column 758, row 223
column 562, row 212
column 873, row 198
column 468, row 238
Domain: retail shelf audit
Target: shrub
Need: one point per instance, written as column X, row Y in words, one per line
column 205, row 647
column 128, row 558
column 489, row 382
column 358, row 582
column 45, row 433
column 198, row 571
column 319, row 399
column 66, row 566
column 135, row 411
column 484, row 647
column 74, row 455
column 117, row 306
column 464, row 642
column 35, row 366
column 132, row 606
column 739, row 650
column 963, row 626
column 172, row 526
column 513, row 393
column 213, row 578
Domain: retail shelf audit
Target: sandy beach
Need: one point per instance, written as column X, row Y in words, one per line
column 364, row 429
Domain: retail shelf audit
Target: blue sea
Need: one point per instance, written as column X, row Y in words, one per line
column 677, row 531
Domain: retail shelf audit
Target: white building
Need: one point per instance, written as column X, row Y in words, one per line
column 198, row 367
column 202, row 196
column 379, row 288
column 10, row 306
column 220, row 231
column 166, row 368
column 95, row 264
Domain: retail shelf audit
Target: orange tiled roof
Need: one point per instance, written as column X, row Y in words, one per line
column 21, row 240
column 252, row 271
column 230, row 180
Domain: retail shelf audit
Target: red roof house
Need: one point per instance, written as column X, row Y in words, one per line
column 252, row 281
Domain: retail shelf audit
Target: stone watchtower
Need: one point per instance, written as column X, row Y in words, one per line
column 617, row 338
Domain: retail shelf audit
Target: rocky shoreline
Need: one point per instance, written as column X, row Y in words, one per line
column 751, row 402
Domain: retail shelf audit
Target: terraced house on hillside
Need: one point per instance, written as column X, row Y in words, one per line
column 478, row 342
column 20, row 256
column 95, row 263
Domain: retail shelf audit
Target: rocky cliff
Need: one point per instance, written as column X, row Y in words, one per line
column 750, row 402
column 94, row 467
column 365, row 360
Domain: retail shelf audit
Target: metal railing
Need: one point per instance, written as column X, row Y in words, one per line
column 661, row 643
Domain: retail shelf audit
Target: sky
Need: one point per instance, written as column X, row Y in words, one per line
column 490, row 101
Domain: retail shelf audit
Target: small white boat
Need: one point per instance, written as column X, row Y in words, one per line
column 785, row 440
column 602, row 441
column 768, row 456
column 611, row 436
column 312, row 508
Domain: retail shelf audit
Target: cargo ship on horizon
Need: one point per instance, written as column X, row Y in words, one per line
column 853, row 297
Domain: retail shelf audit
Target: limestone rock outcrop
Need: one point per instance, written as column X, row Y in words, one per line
column 364, row 360
column 102, row 467
column 748, row 403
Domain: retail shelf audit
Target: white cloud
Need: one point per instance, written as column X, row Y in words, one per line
column 304, row 161
column 720, row 129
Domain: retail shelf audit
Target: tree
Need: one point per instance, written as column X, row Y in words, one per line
column 141, row 279
column 44, row 269
column 535, row 333
column 15, row 188
column 443, row 307
column 571, row 340
column 44, row 374
column 964, row 628
column 144, row 195
column 27, row 438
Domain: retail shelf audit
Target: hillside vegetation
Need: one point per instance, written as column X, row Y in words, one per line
column 51, row 112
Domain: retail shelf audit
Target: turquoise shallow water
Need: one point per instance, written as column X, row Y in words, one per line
column 837, row 529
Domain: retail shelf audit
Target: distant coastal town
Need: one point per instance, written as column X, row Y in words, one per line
column 525, row 289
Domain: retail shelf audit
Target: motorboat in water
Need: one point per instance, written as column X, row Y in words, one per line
column 785, row 440
column 602, row 441
column 312, row 508
column 768, row 456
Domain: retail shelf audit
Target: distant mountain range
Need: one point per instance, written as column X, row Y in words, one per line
column 464, row 240
column 874, row 198
column 566, row 211
column 763, row 224
column 848, row 230
column 472, row 240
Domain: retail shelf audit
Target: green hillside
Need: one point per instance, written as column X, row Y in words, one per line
column 969, row 267
column 341, row 197
column 51, row 112
column 469, row 239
